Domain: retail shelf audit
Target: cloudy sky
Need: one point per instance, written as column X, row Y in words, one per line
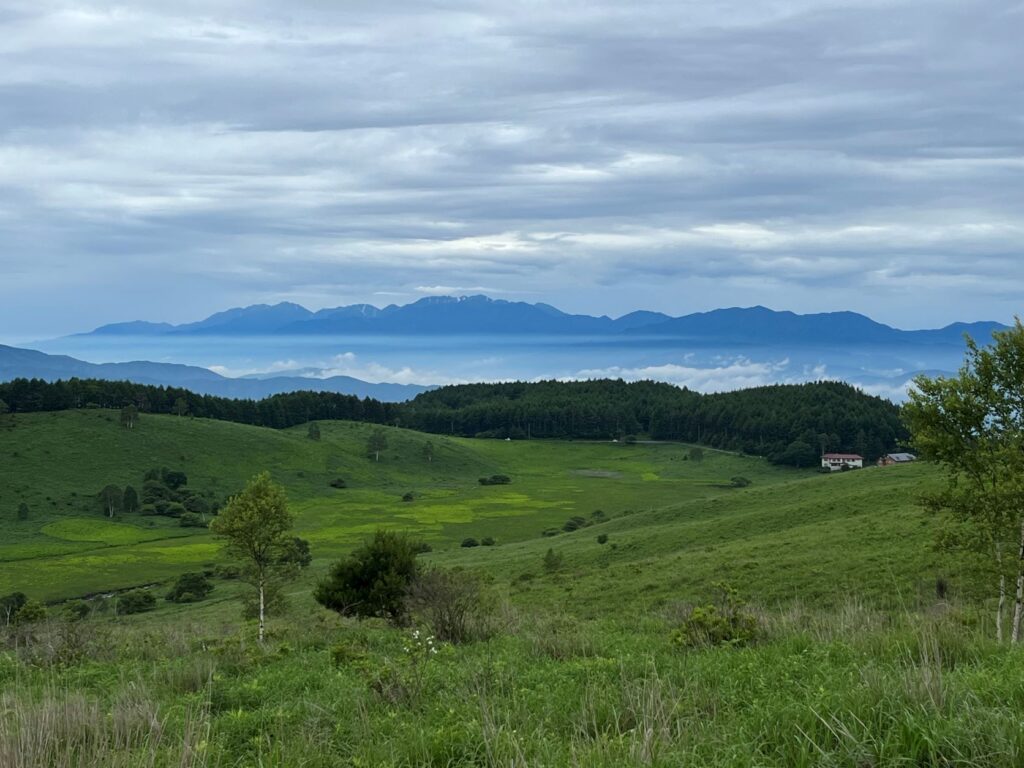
column 166, row 160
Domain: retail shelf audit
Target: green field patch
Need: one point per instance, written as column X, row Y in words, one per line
column 100, row 531
column 200, row 551
column 30, row 550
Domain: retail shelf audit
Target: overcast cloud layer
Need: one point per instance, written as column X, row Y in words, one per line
column 164, row 160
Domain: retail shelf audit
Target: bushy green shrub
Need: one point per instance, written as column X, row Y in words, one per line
column 30, row 613
column 338, row 483
column 190, row 588
column 372, row 581
column 227, row 572
column 192, row 520
column 739, row 482
column 602, row 538
column 136, row 601
column 727, row 623
column 76, row 610
column 470, row 542
column 575, row 523
column 487, row 541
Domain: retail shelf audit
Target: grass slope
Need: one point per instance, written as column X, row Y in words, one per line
column 57, row 462
column 858, row 663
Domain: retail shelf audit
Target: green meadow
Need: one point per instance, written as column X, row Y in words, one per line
column 872, row 647
column 56, row 463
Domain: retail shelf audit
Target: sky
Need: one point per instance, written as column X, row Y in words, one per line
column 163, row 161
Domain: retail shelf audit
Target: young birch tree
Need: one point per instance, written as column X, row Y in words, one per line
column 973, row 425
column 256, row 525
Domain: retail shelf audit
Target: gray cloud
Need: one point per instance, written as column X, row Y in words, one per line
column 165, row 160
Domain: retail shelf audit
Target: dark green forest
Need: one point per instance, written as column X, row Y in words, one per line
column 789, row 423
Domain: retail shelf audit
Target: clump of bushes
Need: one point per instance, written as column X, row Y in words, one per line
column 727, row 623
column 16, row 609
column 575, row 523
column 739, row 482
column 76, row 610
column 136, row 601
column 409, row 496
column 470, row 542
column 192, row 520
column 602, row 538
column 487, row 541
column 495, row 480
column 190, row 588
column 227, row 572
column 449, row 603
column 338, row 483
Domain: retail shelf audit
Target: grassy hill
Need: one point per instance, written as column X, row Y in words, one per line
column 857, row 660
column 56, row 463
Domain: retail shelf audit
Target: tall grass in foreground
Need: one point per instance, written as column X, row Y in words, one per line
column 849, row 687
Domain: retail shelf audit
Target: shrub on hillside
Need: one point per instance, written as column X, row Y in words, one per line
column 495, row 480
column 408, row 496
column 727, row 623
column 470, row 542
column 76, row 610
column 739, row 482
column 190, row 588
column 31, row 612
column 338, row 483
column 154, row 491
column 602, row 538
column 173, row 479
column 197, row 504
column 449, row 602
column 373, row 580
column 487, row 541
column 575, row 523
column 136, row 601
column 10, row 605
column 227, row 572
column 192, row 520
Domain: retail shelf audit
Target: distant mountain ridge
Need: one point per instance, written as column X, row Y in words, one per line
column 481, row 315
column 28, row 363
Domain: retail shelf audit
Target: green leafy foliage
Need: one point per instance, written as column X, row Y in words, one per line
column 727, row 623
column 136, row 601
column 190, row 588
column 373, row 580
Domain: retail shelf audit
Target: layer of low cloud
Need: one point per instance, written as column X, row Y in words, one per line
column 165, row 160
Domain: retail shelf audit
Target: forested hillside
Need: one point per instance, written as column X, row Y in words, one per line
column 790, row 424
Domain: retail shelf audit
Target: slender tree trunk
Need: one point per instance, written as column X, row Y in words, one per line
column 1019, row 603
column 999, row 610
column 1002, row 594
column 262, row 587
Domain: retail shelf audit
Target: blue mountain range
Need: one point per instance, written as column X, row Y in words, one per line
column 481, row 315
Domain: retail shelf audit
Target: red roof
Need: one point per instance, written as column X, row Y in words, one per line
column 852, row 456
